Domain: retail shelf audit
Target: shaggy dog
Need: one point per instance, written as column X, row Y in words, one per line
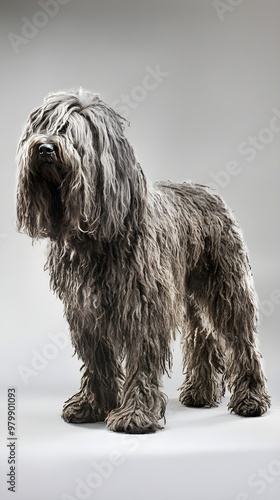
column 133, row 262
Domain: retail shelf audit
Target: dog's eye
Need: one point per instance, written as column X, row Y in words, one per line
column 63, row 129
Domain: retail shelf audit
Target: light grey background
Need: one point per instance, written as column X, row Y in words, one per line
column 217, row 86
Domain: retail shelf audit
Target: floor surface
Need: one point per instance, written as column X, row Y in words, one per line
column 202, row 454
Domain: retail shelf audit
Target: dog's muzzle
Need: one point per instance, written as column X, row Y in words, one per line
column 50, row 169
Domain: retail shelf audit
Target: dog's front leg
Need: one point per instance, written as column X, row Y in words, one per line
column 142, row 402
column 101, row 383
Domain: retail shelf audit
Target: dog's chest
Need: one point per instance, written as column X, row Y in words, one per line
column 91, row 279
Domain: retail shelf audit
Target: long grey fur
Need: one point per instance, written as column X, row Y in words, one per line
column 132, row 263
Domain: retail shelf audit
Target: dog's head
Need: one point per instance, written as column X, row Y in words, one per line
column 77, row 172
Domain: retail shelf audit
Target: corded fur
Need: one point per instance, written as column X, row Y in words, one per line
column 133, row 262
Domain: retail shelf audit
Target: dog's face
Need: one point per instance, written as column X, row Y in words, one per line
column 77, row 172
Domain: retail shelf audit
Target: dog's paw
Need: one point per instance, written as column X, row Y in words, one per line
column 196, row 398
column 132, row 422
column 191, row 401
column 78, row 410
column 251, row 405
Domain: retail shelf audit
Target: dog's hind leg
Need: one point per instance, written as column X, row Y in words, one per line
column 229, row 298
column 244, row 373
column 203, row 361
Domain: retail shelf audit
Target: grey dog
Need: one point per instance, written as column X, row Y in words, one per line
column 133, row 262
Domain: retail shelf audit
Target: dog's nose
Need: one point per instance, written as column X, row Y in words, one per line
column 46, row 149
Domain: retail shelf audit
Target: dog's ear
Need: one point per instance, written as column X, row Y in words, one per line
column 29, row 127
column 120, row 185
column 26, row 198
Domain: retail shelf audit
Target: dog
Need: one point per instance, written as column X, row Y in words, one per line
column 133, row 262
